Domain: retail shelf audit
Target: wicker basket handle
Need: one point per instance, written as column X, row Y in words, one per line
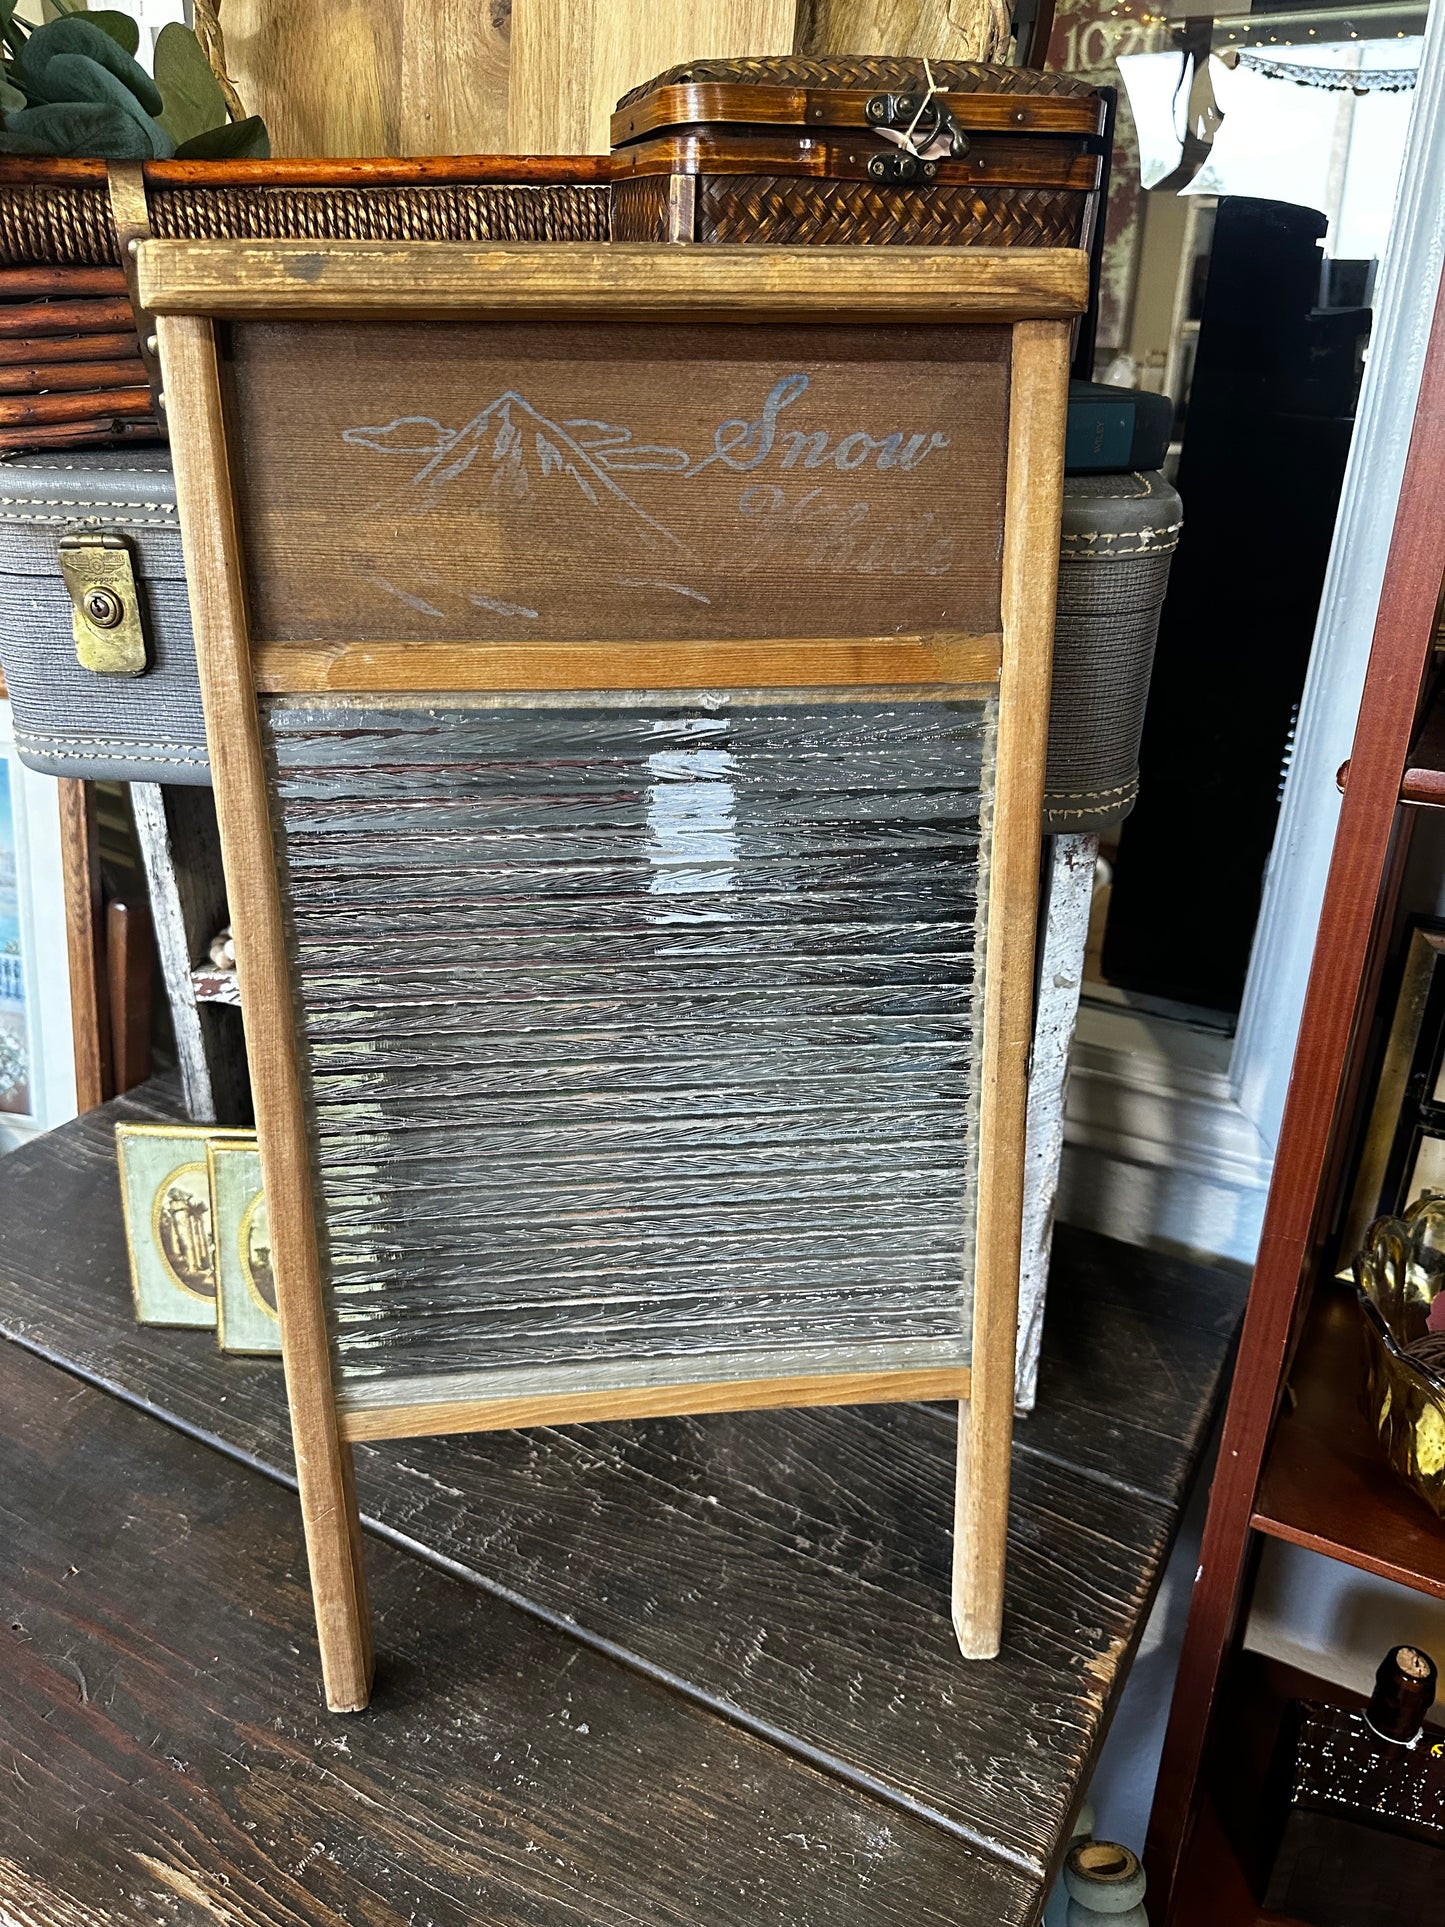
column 206, row 15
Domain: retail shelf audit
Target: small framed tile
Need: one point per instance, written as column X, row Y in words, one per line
column 246, row 1318
column 165, row 1191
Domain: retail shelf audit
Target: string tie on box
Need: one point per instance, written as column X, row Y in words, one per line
column 941, row 139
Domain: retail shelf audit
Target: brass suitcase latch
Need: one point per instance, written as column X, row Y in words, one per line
column 105, row 604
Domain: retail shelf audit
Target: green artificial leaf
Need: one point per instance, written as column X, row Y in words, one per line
column 76, row 36
column 12, row 31
column 12, row 101
column 237, row 140
column 123, row 30
column 76, row 77
column 75, row 127
column 194, row 103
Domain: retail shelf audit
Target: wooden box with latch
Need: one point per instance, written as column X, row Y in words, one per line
column 859, row 151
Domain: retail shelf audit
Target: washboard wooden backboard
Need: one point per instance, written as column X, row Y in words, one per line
column 626, row 673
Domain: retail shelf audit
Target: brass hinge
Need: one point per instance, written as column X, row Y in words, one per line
column 105, row 605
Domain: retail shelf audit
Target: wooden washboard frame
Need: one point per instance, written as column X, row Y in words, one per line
column 1032, row 294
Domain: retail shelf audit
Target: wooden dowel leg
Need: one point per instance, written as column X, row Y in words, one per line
column 85, row 943
column 215, row 573
column 980, row 1536
column 129, row 962
column 338, row 1579
column 353, row 1526
column 1037, row 408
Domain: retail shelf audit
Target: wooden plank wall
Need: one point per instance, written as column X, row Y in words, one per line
column 572, row 60
column 936, row 29
column 531, row 76
column 373, row 76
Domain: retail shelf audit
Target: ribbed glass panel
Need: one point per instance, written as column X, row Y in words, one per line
column 640, row 1038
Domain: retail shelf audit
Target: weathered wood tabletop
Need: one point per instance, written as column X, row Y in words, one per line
column 678, row 1670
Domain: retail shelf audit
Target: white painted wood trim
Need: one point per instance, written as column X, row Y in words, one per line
column 1159, row 1151
column 153, row 834
column 1153, row 1091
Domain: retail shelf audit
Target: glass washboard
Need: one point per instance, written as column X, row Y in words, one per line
column 626, row 679
column 638, row 1024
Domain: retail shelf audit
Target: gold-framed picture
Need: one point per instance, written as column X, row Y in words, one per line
column 246, row 1315
column 165, row 1191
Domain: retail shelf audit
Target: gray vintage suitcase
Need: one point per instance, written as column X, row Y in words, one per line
column 1119, row 535
column 73, row 721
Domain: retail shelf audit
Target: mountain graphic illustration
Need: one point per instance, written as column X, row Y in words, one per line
column 510, row 449
column 500, row 480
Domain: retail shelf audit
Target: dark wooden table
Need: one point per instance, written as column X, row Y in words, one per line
column 677, row 1671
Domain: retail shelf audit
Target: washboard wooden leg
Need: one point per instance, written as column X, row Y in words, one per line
column 1038, row 399
column 216, row 576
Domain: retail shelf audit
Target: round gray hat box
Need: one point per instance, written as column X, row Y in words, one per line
column 1118, row 540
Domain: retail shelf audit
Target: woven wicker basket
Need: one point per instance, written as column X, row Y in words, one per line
column 71, row 373
column 801, row 152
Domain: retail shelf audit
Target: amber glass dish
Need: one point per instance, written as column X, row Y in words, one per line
column 1398, row 1276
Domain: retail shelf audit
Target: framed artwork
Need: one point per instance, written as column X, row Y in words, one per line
column 246, row 1316
column 165, row 1191
column 37, row 1073
column 626, row 680
column 1403, row 1153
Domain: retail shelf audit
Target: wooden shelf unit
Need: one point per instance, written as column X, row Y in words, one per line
column 1424, row 780
column 1423, row 783
column 1310, row 1474
column 1215, row 1888
column 1326, row 1483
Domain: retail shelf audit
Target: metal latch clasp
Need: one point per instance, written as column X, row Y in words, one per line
column 921, row 123
column 105, row 604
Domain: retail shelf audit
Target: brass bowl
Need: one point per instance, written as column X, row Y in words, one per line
column 1398, row 1276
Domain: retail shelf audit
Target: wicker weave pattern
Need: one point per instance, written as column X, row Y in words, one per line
column 863, row 71
column 57, row 226
column 639, row 208
column 72, row 226
column 781, row 209
column 452, row 213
